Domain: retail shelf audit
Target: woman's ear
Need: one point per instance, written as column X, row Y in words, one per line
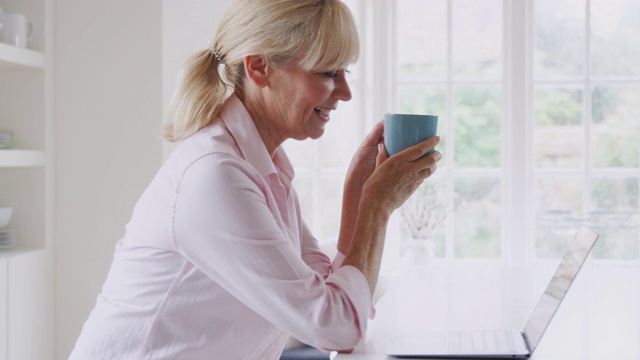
column 257, row 69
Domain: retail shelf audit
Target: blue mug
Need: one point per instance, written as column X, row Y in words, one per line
column 402, row 131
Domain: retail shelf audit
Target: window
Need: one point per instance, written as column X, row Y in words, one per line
column 586, row 91
column 452, row 66
column 537, row 105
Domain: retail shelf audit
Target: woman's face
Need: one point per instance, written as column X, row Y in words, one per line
column 301, row 101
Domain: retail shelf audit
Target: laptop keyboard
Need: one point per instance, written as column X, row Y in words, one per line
column 481, row 340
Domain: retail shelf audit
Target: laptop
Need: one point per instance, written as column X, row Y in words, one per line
column 507, row 344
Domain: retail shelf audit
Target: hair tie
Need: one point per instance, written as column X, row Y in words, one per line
column 216, row 54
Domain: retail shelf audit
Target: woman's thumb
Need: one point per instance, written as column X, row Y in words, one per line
column 382, row 154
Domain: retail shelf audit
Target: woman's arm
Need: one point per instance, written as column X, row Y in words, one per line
column 228, row 225
column 393, row 180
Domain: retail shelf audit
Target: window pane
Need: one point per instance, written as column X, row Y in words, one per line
column 617, row 241
column 422, row 217
column 477, row 130
column 477, row 219
column 559, row 134
column 477, row 39
column 616, row 127
column 559, row 38
column 615, row 37
column 303, row 183
column 615, row 217
column 615, row 194
column 417, row 99
column 421, row 39
column 331, row 200
column 300, row 153
column 341, row 135
column 558, row 213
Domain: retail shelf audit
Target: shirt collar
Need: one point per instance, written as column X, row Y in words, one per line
column 242, row 128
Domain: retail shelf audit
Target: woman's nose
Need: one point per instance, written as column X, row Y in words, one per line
column 342, row 90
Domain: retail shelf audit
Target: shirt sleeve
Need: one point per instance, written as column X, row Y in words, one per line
column 320, row 262
column 337, row 261
column 316, row 256
column 312, row 254
column 224, row 225
column 337, row 264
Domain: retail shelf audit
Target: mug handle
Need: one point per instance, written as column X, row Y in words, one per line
column 31, row 30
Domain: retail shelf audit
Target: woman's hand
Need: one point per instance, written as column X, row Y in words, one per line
column 360, row 169
column 364, row 160
column 396, row 178
column 390, row 181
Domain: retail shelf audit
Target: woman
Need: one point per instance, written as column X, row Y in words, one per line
column 216, row 262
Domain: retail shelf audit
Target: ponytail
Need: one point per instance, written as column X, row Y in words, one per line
column 199, row 96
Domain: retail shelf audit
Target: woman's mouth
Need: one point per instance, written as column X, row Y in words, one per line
column 324, row 113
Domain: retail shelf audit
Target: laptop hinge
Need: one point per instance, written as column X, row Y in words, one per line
column 526, row 342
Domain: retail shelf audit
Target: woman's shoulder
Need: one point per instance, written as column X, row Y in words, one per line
column 213, row 145
column 213, row 139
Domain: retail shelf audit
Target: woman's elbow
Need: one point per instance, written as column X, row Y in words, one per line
column 343, row 340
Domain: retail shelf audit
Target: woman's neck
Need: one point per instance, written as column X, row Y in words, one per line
column 258, row 112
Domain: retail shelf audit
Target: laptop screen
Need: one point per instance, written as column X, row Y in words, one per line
column 558, row 286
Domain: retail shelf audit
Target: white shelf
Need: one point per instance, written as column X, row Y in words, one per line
column 17, row 251
column 12, row 57
column 21, row 158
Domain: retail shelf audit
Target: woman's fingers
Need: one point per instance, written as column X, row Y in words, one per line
column 382, row 154
column 396, row 179
column 375, row 135
column 429, row 161
column 364, row 160
column 427, row 172
column 398, row 176
column 419, row 150
column 369, row 147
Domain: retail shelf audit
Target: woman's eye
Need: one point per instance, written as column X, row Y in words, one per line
column 331, row 74
column 334, row 74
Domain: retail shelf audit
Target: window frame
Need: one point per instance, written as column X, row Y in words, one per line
column 377, row 84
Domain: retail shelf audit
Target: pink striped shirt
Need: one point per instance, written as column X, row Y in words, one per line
column 217, row 263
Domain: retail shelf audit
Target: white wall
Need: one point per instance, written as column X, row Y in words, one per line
column 187, row 27
column 116, row 66
column 108, row 91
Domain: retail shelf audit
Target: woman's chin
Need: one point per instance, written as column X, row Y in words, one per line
column 317, row 134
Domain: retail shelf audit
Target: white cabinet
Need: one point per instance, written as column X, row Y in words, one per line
column 21, row 158
column 29, row 305
column 16, row 58
column 26, row 110
column 26, row 309
column 26, row 184
column 3, row 309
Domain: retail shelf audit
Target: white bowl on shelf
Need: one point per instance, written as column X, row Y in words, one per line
column 6, row 139
column 5, row 216
column 7, row 239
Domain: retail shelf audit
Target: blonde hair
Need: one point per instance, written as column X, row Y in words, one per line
column 318, row 34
